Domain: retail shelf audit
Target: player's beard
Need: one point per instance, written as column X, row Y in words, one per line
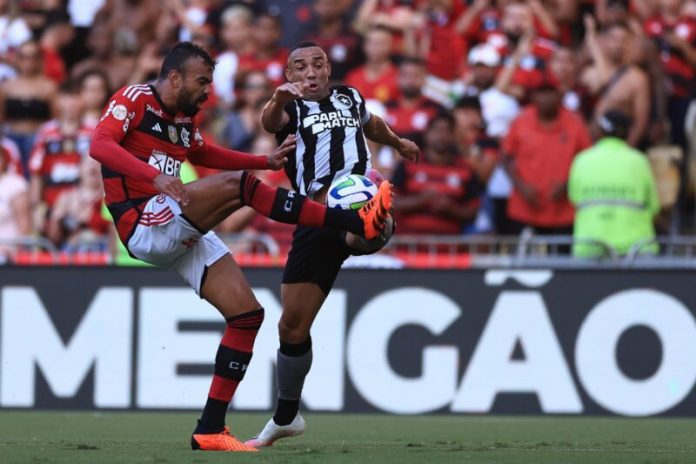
column 188, row 105
column 411, row 92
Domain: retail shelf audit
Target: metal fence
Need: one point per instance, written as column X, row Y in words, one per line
column 484, row 251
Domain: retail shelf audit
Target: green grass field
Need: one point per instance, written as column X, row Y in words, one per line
column 103, row 438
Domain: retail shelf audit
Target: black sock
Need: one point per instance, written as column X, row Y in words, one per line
column 292, row 353
column 286, row 411
column 213, row 415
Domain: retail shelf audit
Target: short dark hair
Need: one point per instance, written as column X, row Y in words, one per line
column 276, row 18
column 408, row 59
column 83, row 76
column 617, row 24
column 304, row 44
column 441, row 116
column 380, row 28
column 69, row 87
column 468, row 102
column 623, row 4
column 178, row 56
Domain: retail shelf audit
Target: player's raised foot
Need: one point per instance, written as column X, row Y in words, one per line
column 272, row 432
column 221, row 441
column 375, row 212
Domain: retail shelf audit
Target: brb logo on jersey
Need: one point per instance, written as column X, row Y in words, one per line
column 165, row 163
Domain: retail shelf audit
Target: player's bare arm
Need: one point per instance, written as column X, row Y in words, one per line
column 378, row 131
column 641, row 106
column 273, row 117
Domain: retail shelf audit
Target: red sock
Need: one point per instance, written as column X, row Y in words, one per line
column 231, row 362
column 289, row 207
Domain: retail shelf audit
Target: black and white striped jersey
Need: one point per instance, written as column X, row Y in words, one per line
column 330, row 139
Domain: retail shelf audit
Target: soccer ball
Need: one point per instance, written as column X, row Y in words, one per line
column 350, row 192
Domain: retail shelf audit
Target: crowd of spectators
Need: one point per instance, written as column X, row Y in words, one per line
column 501, row 95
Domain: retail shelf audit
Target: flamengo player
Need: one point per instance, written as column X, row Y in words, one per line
column 144, row 135
column 331, row 124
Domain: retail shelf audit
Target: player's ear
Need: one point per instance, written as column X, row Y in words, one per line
column 287, row 74
column 175, row 78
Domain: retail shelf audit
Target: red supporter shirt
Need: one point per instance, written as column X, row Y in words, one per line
column 137, row 139
column 12, row 156
column 410, row 122
column 384, row 88
column 274, row 67
column 488, row 23
column 485, row 24
column 56, row 159
column 456, row 181
column 543, row 156
column 447, row 49
column 533, row 66
column 681, row 74
column 53, row 65
column 344, row 52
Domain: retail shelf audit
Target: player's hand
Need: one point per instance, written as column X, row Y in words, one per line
column 172, row 186
column 590, row 24
column 288, row 92
column 559, row 191
column 408, row 150
column 529, row 194
column 279, row 157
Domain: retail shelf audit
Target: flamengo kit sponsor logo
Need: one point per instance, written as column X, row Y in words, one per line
column 155, row 111
column 165, row 163
column 100, row 348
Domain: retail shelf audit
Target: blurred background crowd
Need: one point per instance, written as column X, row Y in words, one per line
column 500, row 94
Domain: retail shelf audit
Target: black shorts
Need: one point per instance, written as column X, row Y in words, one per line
column 316, row 256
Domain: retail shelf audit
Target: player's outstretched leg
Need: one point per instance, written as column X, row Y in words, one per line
column 289, row 207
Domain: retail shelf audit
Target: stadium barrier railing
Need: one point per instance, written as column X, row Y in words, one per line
column 403, row 251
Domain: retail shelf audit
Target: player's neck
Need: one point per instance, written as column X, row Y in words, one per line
column 319, row 97
column 166, row 96
column 69, row 126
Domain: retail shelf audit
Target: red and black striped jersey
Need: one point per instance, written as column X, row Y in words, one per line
column 138, row 121
column 56, row 158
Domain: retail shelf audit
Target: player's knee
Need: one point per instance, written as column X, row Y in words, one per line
column 230, row 184
column 292, row 331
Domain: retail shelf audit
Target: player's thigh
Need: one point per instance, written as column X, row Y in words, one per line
column 226, row 288
column 301, row 303
column 212, row 199
column 314, row 261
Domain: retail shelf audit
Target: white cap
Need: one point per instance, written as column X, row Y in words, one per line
column 485, row 54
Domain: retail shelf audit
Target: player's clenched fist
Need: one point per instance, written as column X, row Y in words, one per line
column 408, row 150
column 173, row 187
column 288, row 92
column 279, row 157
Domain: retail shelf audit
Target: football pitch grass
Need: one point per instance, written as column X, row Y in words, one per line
column 162, row 438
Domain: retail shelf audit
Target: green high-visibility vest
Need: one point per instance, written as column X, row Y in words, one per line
column 613, row 190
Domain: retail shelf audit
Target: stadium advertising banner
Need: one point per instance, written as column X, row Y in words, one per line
column 408, row 342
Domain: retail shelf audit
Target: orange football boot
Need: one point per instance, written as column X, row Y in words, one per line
column 375, row 212
column 222, row 441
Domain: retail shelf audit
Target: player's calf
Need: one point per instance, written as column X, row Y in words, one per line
column 231, row 362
